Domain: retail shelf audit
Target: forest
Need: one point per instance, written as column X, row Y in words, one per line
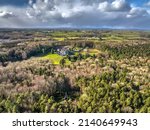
column 74, row 71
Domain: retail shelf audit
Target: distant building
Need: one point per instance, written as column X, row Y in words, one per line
column 64, row 51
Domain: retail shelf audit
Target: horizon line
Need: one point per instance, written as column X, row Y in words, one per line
column 76, row 28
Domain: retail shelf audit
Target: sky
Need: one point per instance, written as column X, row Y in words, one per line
column 116, row 14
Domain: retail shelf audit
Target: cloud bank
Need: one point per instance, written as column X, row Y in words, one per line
column 75, row 13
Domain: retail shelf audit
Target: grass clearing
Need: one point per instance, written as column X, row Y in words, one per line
column 94, row 51
column 55, row 58
column 59, row 39
column 72, row 38
column 91, row 51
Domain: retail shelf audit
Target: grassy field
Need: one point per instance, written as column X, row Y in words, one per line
column 55, row 58
column 59, row 39
column 63, row 38
column 90, row 51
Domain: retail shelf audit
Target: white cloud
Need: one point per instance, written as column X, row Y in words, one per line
column 5, row 14
column 30, row 2
column 50, row 10
column 137, row 12
column 148, row 3
column 120, row 5
column 117, row 5
column 105, row 6
column 15, row 17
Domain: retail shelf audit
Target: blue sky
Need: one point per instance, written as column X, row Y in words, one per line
column 119, row 14
column 138, row 2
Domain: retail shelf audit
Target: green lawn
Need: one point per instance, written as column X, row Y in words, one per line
column 55, row 58
column 91, row 52
column 59, row 38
